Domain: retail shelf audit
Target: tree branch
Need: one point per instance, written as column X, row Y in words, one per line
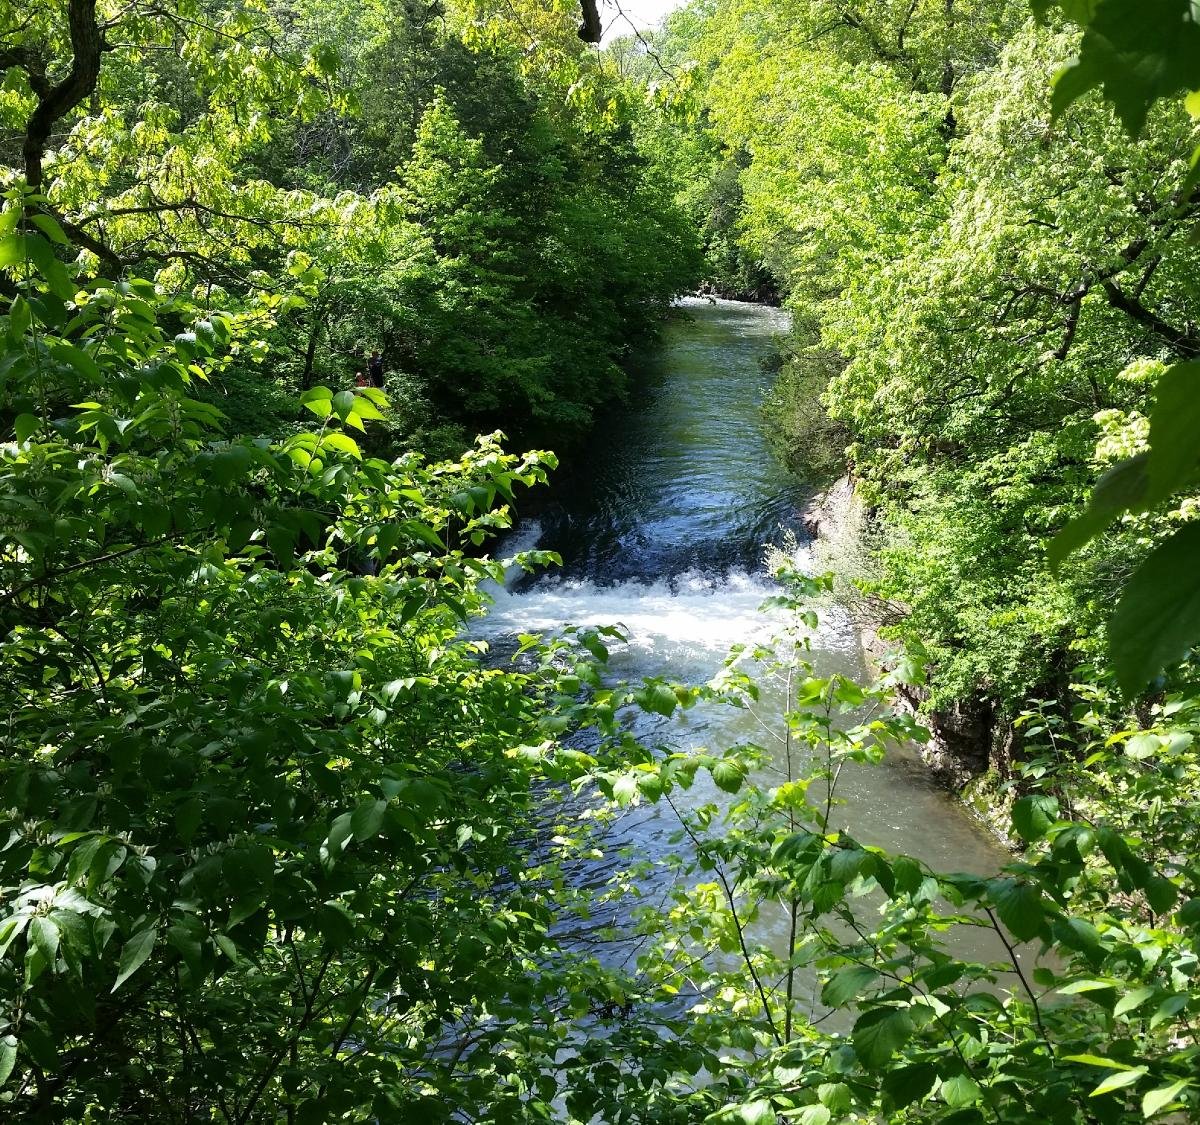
column 87, row 45
column 1185, row 342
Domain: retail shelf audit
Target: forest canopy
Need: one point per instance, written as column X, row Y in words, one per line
column 284, row 841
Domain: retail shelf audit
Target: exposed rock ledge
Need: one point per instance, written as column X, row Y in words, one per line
column 970, row 746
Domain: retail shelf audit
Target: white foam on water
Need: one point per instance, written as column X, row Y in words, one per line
column 682, row 626
column 686, row 612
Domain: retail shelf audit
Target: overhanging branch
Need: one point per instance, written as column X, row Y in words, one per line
column 55, row 102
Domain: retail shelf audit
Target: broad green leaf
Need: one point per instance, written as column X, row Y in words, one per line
column 836, row 1095
column 423, row 532
column 1074, row 988
column 368, row 819
column 846, row 983
column 343, row 443
column 1119, row 1081
column 727, row 775
column 1033, row 815
column 25, row 426
column 1158, row 617
column 659, row 698
column 1142, row 746
column 1161, row 894
column 134, row 954
column 1096, row 1060
column 1132, row 1000
column 321, row 407
column 960, row 1091
column 1155, row 1101
column 8, row 1056
column 1137, row 52
column 77, row 358
column 48, row 225
column 1121, row 489
column 879, row 1034
column 909, row 1084
column 1019, row 905
column 1174, row 431
column 335, row 924
column 814, row 1115
column 757, row 1113
column 43, row 936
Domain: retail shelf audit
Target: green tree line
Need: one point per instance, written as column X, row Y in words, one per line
column 282, row 844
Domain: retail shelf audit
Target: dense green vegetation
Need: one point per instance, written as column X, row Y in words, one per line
column 985, row 296
column 282, row 844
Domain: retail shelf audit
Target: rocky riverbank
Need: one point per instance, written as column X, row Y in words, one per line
column 971, row 748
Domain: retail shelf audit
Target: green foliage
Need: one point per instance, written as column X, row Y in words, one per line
column 988, row 288
column 282, row 843
column 1137, row 53
column 261, row 799
column 384, row 178
column 840, row 973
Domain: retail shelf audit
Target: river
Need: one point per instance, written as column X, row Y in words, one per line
column 663, row 533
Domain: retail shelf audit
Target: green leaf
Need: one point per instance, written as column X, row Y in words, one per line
column 1161, row 894
column 960, row 1091
column 1154, row 1101
column 134, row 955
column 1142, row 746
column 1095, row 1060
column 340, row 831
column 343, row 443
column 879, row 1034
column 813, row 1115
column 909, row 1083
column 44, row 936
column 423, row 532
column 1138, row 52
column 1121, row 489
column 1133, row 1000
column 77, row 358
column 656, row 697
column 836, row 1095
column 1119, row 1080
column 757, row 1113
column 226, row 946
column 1158, row 618
column 727, row 775
column 846, row 983
column 48, row 225
column 1074, row 989
column 1174, row 427
column 25, row 426
column 368, row 819
column 1019, row 905
column 1033, row 815
column 335, row 924
column 8, row 1056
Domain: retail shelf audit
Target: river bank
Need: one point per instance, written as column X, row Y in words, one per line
column 971, row 748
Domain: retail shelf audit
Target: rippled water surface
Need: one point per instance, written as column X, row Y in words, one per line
column 662, row 530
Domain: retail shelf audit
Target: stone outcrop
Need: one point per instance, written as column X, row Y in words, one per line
column 969, row 741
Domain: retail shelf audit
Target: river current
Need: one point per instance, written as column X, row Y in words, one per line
column 662, row 530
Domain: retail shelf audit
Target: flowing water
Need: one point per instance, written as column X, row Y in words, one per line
column 661, row 529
